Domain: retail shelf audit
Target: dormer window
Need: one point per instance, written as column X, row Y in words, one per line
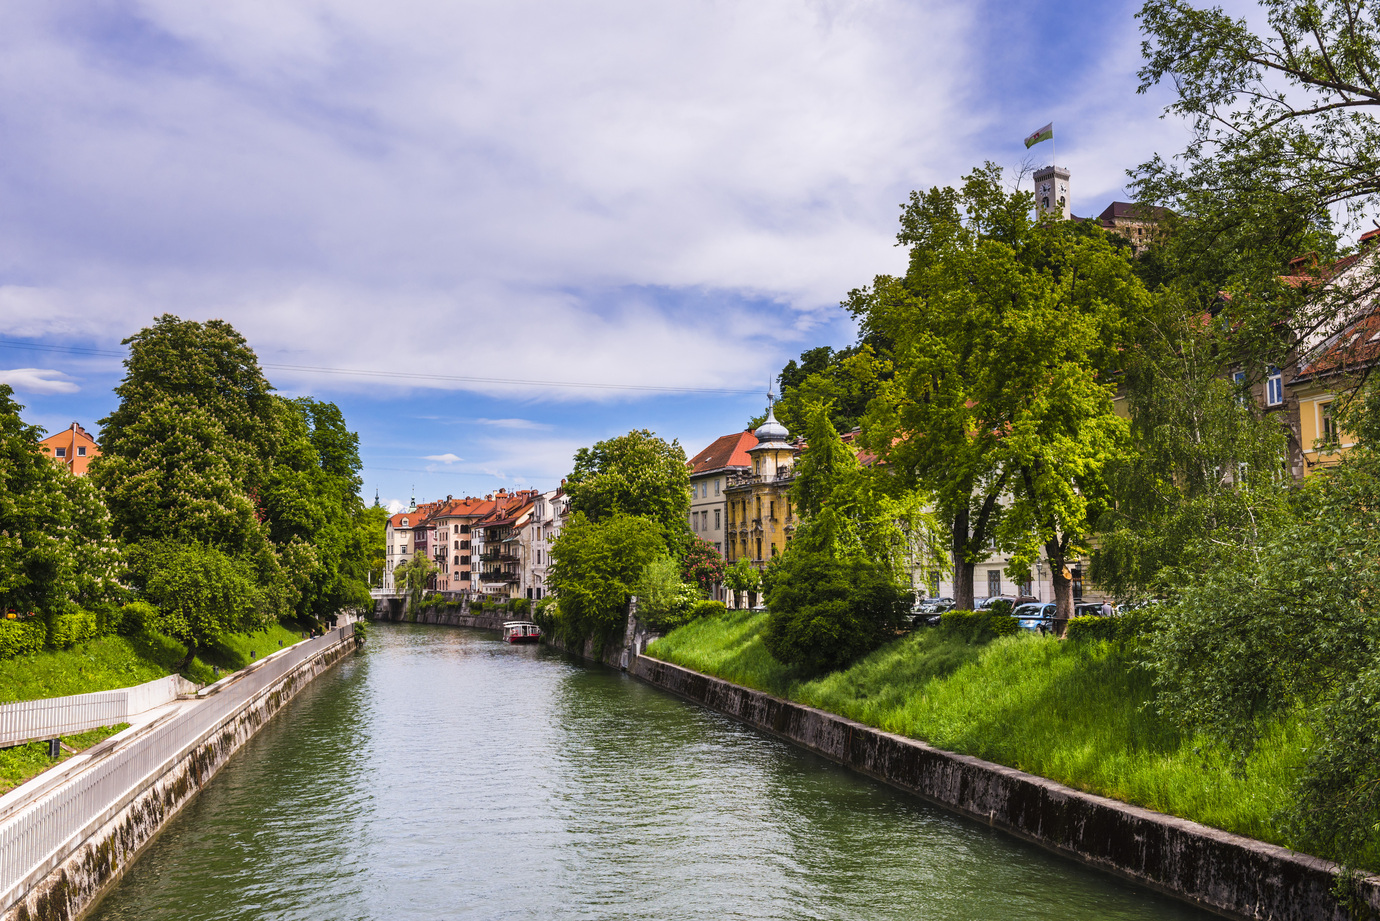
column 404, row 522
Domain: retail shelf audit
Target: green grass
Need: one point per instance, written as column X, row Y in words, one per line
column 1078, row 713
column 22, row 762
column 232, row 652
column 120, row 662
column 99, row 665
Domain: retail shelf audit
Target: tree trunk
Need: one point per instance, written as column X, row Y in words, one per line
column 963, row 570
column 1062, row 581
column 187, row 659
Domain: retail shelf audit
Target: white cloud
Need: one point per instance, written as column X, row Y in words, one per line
column 349, row 183
column 446, row 458
column 38, row 380
column 527, row 424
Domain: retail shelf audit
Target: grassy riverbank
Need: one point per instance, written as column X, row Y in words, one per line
column 1078, row 713
column 119, row 662
column 22, row 762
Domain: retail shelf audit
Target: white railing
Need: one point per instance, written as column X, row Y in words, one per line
column 39, row 830
column 59, row 716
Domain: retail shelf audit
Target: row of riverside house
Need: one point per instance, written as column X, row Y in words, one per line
column 498, row 546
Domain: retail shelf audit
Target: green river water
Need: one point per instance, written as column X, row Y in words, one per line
column 444, row 774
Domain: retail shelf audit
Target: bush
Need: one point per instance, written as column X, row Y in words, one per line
column 69, row 628
column 1128, row 626
column 138, row 618
column 978, row 626
column 707, row 608
column 521, row 606
column 21, row 637
column 823, row 613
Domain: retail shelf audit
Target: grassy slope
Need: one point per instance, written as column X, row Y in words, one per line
column 1080, row 714
column 20, row 763
column 119, row 662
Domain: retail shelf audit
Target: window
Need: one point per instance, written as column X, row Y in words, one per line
column 994, row 582
column 61, row 452
column 81, row 451
column 1274, row 387
column 759, row 548
column 716, row 487
column 1026, row 584
column 719, row 548
column 1328, row 425
column 772, row 509
column 718, row 522
column 695, row 520
column 1077, row 584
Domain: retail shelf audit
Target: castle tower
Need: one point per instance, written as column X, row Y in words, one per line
column 1052, row 191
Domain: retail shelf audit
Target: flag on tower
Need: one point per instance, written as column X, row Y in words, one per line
column 1044, row 134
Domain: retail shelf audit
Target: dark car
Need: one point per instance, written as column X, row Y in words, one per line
column 929, row 611
column 1088, row 609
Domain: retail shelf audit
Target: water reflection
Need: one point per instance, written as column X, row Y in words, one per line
column 444, row 774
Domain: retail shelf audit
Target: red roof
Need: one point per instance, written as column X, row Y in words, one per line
column 725, row 452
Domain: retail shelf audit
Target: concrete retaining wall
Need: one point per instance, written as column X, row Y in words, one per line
column 85, row 871
column 1226, row 873
column 458, row 619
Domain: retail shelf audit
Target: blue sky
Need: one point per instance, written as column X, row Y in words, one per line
column 608, row 193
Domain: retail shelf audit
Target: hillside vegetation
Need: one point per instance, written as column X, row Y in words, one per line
column 1079, row 713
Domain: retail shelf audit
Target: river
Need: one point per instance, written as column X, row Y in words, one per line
column 444, row 774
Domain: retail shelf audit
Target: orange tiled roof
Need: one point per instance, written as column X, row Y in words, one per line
column 727, row 451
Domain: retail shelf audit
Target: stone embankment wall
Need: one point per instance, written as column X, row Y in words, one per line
column 1226, row 873
column 394, row 609
column 117, row 831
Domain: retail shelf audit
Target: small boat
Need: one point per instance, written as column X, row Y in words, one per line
column 521, row 631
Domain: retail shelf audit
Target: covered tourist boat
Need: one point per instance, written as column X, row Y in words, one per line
column 521, row 631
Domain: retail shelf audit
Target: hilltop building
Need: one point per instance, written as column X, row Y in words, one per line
column 758, row 503
column 72, row 447
column 709, row 472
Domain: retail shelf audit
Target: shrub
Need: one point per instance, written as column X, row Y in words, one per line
column 69, row 628
column 521, row 606
column 823, row 613
column 137, row 618
column 1000, row 606
column 22, row 637
column 1128, row 626
column 707, row 608
column 978, row 626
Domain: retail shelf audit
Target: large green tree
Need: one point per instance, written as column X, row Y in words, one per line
column 633, row 474
column 56, row 548
column 595, row 567
column 1007, row 333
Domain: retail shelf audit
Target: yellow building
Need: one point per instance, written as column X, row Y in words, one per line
column 758, row 503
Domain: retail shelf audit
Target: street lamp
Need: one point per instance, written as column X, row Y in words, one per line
column 1040, row 578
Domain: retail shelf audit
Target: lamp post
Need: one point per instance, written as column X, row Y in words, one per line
column 1040, row 578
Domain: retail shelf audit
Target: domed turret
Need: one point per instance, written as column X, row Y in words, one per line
column 771, row 430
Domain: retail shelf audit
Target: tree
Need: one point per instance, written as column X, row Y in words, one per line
column 846, row 509
column 663, row 600
column 412, row 577
column 823, row 612
column 1207, row 464
column 703, row 566
column 741, row 577
column 1284, row 138
column 56, row 549
column 201, row 593
column 845, row 380
column 311, row 504
column 595, row 566
column 1007, row 333
column 633, row 474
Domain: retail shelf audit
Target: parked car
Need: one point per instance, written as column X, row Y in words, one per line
column 1037, row 617
column 1088, row 609
column 986, row 604
column 928, row 611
